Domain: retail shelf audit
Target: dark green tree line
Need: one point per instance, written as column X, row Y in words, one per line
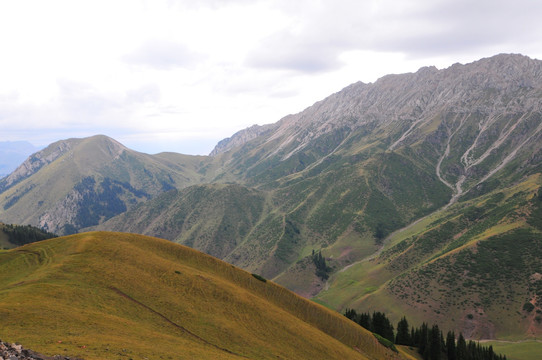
column 430, row 341
column 25, row 234
column 322, row 270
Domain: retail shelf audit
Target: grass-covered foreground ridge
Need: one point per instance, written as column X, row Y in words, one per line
column 107, row 295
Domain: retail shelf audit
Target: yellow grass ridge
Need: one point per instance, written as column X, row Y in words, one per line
column 104, row 295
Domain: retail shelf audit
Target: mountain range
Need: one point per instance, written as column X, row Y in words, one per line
column 421, row 191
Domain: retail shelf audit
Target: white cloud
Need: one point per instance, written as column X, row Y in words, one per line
column 163, row 55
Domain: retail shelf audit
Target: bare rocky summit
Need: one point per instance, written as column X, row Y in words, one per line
column 410, row 100
column 240, row 138
column 488, row 111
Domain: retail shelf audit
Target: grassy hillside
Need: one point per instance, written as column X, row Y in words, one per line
column 112, row 295
column 338, row 204
column 473, row 268
column 77, row 183
column 212, row 218
column 521, row 350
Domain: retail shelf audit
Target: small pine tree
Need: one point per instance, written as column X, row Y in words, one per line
column 351, row 314
column 435, row 343
column 423, row 339
column 403, row 333
column 319, row 261
column 382, row 326
column 461, row 348
column 450, row 346
column 366, row 321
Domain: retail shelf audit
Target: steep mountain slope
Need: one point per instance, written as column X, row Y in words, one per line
column 88, row 295
column 77, row 183
column 213, row 218
column 375, row 157
column 475, row 267
column 468, row 121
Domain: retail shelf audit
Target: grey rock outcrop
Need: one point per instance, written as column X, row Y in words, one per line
column 17, row 352
column 240, row 138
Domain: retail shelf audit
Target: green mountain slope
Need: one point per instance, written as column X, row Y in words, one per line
column 78, row 183
column 475, row 267
column 366, row 161
column 90, row 296
column 213, row 218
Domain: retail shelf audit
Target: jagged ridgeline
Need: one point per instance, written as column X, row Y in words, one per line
column 460, row 145
column 108, row 295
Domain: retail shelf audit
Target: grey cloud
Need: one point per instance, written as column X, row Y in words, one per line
column 209, row 3
column 163, row 55
column 414, row 28
column 461, row 26
column 287, row 52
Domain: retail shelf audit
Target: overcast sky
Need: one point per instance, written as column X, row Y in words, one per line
column 182, row 75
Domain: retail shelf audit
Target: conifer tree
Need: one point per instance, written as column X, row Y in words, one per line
column 403, row 333
column 351, row 314
column 382, row 326
column 423, row 339
column 461, row 348
column 435, row 343
column 450, row 346
column 365, row 321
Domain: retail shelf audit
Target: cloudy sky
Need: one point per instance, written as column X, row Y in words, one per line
column 182, row 75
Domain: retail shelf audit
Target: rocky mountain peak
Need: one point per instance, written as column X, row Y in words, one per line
column 98, row 143
column 402, row 98
column 239, row 138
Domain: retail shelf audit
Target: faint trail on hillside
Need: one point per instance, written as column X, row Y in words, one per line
column 182, row 328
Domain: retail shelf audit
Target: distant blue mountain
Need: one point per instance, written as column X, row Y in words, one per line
column 13, row 153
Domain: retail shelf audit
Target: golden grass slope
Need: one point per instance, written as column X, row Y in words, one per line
column 108, row 295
